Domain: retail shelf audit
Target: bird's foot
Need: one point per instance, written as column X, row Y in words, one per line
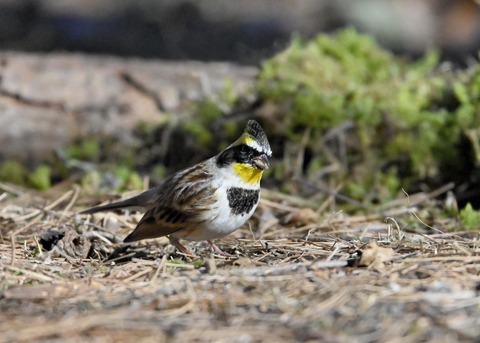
column 181, row 247
column 217, row 250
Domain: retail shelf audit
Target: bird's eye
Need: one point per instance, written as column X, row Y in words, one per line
column 244, row 149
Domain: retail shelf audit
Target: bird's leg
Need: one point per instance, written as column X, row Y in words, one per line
column 180, row 246
column 217, row 250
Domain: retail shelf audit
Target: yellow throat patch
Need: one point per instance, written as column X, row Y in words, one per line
column 247, row 173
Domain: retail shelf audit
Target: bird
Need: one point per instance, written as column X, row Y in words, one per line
column 206, row 201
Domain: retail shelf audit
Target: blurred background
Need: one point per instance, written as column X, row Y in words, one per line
column 244, row 31
column 341, row 111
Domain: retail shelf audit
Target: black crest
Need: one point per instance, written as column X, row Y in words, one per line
column 256, row 131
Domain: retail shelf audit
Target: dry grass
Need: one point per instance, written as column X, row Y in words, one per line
column 295, row 275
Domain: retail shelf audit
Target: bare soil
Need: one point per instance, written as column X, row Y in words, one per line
column 295, row 274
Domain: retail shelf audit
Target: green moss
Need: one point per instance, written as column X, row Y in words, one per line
column 13, row 172
column 177, row 261
column 87, row 149
column 208, row 127
column 228, row 95
column 159, row 172
column 390, row 103
column 470, row 218
column 201, row 134
column 207, row 111
column 231, row 131
column 198, row 263
column 376, row 124
column 111, row 178
column 128, row 179
column 91, row 182
column 467, row 116
column 144, row 129
column 40, row 177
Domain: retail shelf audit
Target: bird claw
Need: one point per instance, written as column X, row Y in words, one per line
column 217, row 250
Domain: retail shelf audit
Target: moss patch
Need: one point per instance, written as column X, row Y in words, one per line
column 378, row 122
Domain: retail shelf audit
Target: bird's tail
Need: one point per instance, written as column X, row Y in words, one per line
column 142, row 201
column 108, row 207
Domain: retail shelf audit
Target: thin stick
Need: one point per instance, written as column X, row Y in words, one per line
column 72, row 202
column 59, row 200
column 139, row 274
column 15, row 233
column 34, row 275
column 430, row 227
column 160, row 267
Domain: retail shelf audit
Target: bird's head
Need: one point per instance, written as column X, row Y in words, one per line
column 248, row 155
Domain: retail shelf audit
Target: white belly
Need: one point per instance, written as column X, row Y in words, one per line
column 218, row 223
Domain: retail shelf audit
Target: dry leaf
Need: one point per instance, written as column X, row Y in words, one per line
column 74, row 245
column 243, row 262
column 374, row 256
column 302, row 216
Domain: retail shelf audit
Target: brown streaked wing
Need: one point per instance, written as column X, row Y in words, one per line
column 182, row 203
column 158, row 222
column 197, row 197
column 197, row 173
column 194, row 191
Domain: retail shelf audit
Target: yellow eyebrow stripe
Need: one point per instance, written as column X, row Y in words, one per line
column 246, row 139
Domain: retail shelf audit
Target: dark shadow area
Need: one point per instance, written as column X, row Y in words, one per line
column 246, row 32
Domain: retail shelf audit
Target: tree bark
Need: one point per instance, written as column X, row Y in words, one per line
column 49, row 100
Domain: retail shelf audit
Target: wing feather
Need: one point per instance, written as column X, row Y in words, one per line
column 185, row 198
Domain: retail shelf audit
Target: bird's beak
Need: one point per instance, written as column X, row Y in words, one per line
column 261, row 162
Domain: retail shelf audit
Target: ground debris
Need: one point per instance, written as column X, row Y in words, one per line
column 66, row 242
column 336, row 278
column 48, row 291
column 375, row 256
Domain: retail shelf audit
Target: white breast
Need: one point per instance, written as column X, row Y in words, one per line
column 219, row 221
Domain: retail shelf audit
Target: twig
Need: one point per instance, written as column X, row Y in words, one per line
column 335, row 194
column 277, row 206
column 160, row 267
column 62, row 198
column 291, row 199
column 30, row 273
column 334, row 252
column 418, row 198
column 430, row 227
column 137, row 275
column 3, row 196
column 265, row 271
column 15, row 233
column 11, row 189
column 76, row 192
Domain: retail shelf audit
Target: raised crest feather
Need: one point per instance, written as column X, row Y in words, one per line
column 256, row 132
